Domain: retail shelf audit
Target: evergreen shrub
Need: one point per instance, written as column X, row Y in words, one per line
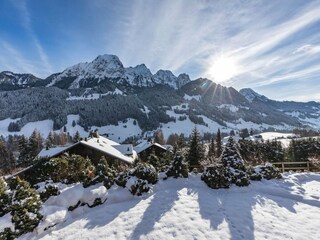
column 179, row 168
column 139, row 179
column 216, row 176
column 268, row 171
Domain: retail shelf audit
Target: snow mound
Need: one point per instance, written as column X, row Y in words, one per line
column 188, row 209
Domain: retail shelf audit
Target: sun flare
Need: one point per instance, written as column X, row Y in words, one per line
column 223, row 68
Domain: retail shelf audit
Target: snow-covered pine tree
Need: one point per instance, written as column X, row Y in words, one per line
column 232, row 133
column 235, row 165
column 219, row 144
column 7, row 160
column 212, row 150
column 180, row 144
column 244, row 133
column 23, row 150
column 76, row 137
column 178, row 168
column 49, row 140
column 154, row 161
column 34, row 144
column 195, row 153
column 292, row 151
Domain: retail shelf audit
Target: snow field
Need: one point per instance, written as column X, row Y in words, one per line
column 44, row 127
column 187, row 209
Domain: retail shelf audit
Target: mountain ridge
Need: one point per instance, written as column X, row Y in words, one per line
column 103, row 92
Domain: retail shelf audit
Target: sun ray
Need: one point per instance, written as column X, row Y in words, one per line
column 223, row 68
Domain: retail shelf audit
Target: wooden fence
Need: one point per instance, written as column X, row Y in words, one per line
column 295, row 166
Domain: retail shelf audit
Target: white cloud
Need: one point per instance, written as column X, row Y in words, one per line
column 308, row 49
column 269, row 42
column 27, row 24
column 14, row 60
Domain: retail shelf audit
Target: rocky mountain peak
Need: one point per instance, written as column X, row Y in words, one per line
column 165, row 77
column 251, row 95
column 106, row 61
column 139, row 75
column 182, row 79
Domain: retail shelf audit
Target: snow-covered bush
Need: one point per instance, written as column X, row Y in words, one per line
column 4, row 198
column 234, row 164
column 216, row 176
column 7, row 234
column 24, row 206
column 230, row 169
column 49, row 191
column 154, row 161
column 121, row 179
column 137, row 186
column 146, row 172
column 104, row 174
column 56, row 169
column 253, row 174
column 78, row 167
column 178, row 168
column 66, row 169
column 139, row 179
column 268, row 171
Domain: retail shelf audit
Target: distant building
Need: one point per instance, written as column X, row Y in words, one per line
column 148, row 147
column 94, row 148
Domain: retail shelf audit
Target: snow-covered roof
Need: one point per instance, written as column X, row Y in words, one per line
column 146, row 144
column 105, row 145
column 100, row 143
column 168, row 146
column 106, row 140
column 126, row 149
column 52, row 151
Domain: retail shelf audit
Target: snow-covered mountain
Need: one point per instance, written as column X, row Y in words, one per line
column 12, row 81
column 165, row 77
column 105, row 95
column 109, row 68
column 251, row 95
column 308, row 114
column 139, row 76
column 182, row 79
column 104, row 66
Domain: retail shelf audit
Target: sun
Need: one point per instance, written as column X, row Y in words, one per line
column 223, row 68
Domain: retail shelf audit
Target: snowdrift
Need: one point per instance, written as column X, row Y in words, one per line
column 187, row 209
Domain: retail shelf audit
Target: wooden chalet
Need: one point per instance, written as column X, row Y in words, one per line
column 146, row 148
column 94, row 148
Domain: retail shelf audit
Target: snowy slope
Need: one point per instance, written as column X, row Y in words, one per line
column 186, row 126
column 11, row 78
column 44, row 127
column 188, row 209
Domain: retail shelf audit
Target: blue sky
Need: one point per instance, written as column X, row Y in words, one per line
column 270, row 46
